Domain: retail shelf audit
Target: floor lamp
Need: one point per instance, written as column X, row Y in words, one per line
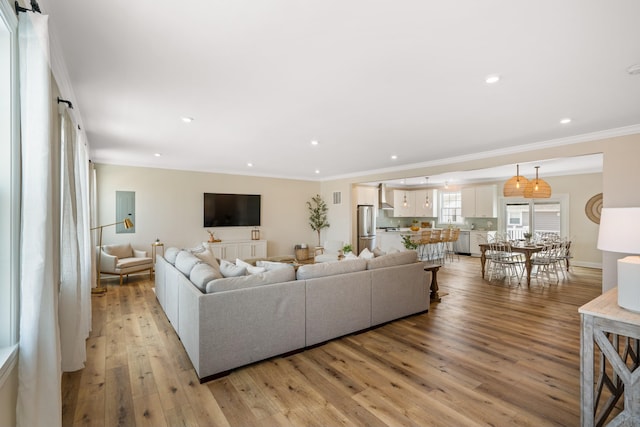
column 127, row 224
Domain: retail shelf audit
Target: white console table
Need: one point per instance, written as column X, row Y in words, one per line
column 243, row 249
column 608, row 325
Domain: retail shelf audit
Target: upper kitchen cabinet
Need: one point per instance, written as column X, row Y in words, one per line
column 479, row 202
column 367, row 196
column 399, row 199
column 421, row 208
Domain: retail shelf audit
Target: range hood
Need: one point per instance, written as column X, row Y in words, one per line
column 382, row 197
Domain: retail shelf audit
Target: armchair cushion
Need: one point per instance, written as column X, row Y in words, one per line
column 121, row 251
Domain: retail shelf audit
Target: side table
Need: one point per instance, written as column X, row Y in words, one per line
column 606, row 324
column 434, row 296
column 154, row 251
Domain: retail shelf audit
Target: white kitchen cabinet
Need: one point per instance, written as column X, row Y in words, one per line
column 477, row 237
column 420, row 197
column 468, row 202
column 242, row 249
column 367, row 196
column 399, row 210
column 479, row 202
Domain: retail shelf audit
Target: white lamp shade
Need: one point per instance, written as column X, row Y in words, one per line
column 620, row 230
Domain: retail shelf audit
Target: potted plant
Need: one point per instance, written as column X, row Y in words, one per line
column 527, row 237
column 318, row 215
column 347, row 248
column 408, row 243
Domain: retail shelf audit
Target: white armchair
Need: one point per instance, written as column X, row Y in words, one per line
column 121, row 260
column 331, row 251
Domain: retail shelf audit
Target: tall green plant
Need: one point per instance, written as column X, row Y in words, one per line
column 318, row 214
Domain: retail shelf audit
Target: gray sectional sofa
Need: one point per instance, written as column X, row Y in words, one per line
column 234, row 321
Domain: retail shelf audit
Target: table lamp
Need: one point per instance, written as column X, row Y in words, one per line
column 620, row 232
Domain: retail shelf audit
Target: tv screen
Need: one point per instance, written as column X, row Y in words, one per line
column 231, row 210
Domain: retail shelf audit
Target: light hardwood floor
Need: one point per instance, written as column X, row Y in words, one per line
column 488, row 354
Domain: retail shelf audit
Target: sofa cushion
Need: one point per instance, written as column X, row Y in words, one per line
column 171, row 254
column 391, row 259
column 323, row 269
column 185, row 262
column 229, row 269
column 121, row 251
column 279, row 275
column 201, row 274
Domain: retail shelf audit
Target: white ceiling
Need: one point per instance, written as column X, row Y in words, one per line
column 367, row 79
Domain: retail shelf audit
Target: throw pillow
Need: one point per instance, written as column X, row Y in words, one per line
column 271, row 265
column 250, row 268
column 229, row 269
column 255, row 270
column 366, row 254
column 378, row 252
column 208, row 257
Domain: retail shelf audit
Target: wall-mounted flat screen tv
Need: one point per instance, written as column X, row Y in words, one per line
column 231, row 210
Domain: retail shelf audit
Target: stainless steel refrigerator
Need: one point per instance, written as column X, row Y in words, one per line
column 366, row 227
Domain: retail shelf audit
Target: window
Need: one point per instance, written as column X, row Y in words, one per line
column 9, row 179
column 536, row 216
column 450, row 207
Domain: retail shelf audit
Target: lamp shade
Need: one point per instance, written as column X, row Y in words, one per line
column 515, row 186
column 127, row 223
column 537, row 189
column 620, row 230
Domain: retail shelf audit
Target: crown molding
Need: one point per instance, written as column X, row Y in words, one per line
column 576, row 139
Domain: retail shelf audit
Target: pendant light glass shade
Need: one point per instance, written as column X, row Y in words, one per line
column 537, row 188
column 516, row 185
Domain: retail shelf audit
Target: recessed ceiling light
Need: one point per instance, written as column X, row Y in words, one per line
column 157, row 154
column 494, row 78
column 634, row 69
column 187, row 119
column 565, row 120
column 250, row 164
column 394, row 157
column 317, row 171
column 314, row 142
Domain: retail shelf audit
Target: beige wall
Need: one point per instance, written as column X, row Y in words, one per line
column 582, row 231
column 169, row 206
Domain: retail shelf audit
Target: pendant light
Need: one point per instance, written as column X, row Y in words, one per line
column 405, row 203
column 426, row 198
column 515, row 186
column 537, row 188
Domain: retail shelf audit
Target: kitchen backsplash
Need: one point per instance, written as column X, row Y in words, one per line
column 383, row 221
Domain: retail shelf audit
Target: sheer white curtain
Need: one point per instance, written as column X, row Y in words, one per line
column 75, row 247
column 39, row 395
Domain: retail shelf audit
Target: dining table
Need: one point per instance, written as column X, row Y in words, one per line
column 527, row 250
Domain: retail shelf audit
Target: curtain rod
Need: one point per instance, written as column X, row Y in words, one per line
column 34, row 7
column 69, row 104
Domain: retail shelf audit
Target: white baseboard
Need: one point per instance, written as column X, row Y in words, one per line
column 586, row 264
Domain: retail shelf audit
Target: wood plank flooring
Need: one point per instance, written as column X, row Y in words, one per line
column 489, row 354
